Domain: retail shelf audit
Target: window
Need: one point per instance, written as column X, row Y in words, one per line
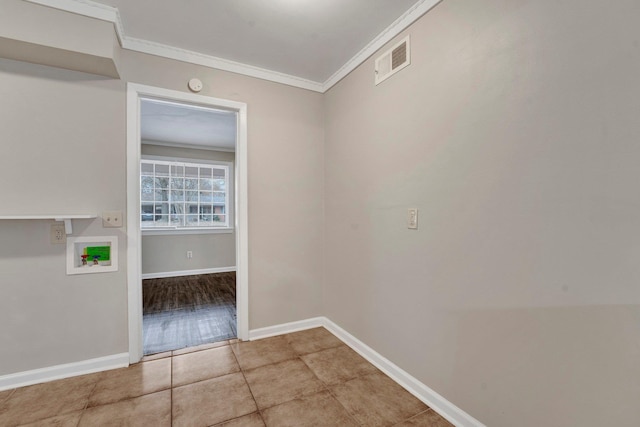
column 183, row 195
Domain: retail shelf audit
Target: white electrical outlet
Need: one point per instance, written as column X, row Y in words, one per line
column 57, row 234
column 189, row 254
column 412, row 218
column 112, row 219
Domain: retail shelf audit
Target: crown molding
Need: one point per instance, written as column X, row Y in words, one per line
column 152, row 48
column 103, row 12
column 100, row 11
column 398, row 26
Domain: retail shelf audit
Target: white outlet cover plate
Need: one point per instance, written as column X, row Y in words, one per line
column 112, row 219
column 58, row 234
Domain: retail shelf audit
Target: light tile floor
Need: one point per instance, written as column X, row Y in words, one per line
column 307, row 378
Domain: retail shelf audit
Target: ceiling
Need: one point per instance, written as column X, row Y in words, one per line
column 184, row 125
column 310, row 44
column 311, row 40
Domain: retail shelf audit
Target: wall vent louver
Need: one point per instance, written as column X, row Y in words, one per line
column 393, row 60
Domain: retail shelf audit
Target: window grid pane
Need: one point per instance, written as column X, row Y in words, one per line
column 183, row 195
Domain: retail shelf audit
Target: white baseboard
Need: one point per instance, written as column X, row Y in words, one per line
column 51, row 373
column 286, row 328
column 442, row 406
column 435, row 401
column 188, row 272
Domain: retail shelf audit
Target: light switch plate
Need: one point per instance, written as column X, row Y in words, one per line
column 112, row 219
column 412, row 218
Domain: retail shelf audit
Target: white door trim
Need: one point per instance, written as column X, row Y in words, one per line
column 134, row 260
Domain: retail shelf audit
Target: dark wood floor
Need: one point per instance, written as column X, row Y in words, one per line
column 187, row 311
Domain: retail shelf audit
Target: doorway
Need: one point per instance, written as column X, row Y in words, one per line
column 212, row 209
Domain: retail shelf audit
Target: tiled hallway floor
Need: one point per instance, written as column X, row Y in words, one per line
column 307, row 378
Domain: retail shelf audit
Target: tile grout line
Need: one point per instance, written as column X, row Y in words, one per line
column 6, row 399
column 258, row 410
column 361, row 375
column 86, row 405
column 328, row 390
column 344, row 407
column 235, row 350
column 296, row 356
column 327, row 386
column 429, row 409
column 200, row 381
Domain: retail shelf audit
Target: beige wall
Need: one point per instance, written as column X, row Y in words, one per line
column 43, row 35
column 63, row 149
column 285, row 167
column 167, row 253
column 515, row 132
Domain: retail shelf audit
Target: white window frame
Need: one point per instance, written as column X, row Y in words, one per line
column 229, row 204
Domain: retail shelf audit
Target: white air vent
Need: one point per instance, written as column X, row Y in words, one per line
column 393, row 60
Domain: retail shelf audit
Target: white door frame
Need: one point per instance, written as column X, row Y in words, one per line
column 134, row 258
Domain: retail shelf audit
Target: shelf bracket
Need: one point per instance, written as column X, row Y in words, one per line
column 67, row 224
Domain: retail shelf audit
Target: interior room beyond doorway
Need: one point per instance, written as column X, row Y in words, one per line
column 187, row 223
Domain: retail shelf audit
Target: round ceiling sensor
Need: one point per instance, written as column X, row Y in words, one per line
column 195, row 85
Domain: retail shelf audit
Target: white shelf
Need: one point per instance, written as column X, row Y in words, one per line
column 59, row 217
